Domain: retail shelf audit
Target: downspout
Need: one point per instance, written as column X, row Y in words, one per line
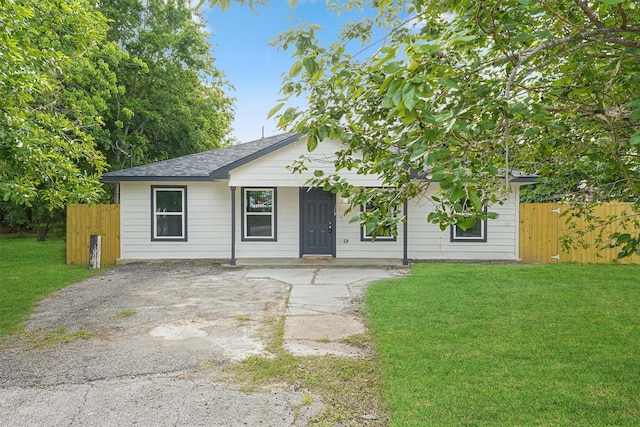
column 405, row 235
column 232, row 261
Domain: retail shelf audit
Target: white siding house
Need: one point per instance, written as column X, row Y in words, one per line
column 242, row 202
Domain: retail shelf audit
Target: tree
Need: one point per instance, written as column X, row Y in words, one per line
column 463, row 92
column 172, row 101
column 54, row 79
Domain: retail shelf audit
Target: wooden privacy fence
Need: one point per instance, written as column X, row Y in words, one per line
column 85, row 220
column 542, row 225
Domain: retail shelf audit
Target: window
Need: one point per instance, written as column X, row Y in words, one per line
column 169, row 213
column 259, row 214
column 476, row 233
column 382, row 233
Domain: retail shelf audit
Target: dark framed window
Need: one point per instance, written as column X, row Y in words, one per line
column 169, row 213
column 259, row 214
column 476, row 233
column 383, row 234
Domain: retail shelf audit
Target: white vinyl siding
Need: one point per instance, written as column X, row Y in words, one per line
column 208, row 218
column 209, row 229
column 271, row 169
column 208, row 222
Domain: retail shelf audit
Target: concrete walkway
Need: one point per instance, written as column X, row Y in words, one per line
column 321, row 310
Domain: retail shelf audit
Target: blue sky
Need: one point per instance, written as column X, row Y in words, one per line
column 240, row 40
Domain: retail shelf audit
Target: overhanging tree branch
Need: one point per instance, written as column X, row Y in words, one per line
column 589, row 13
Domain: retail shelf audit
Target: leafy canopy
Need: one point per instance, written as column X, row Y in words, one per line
column 54, row 80
column 81, row 82
column 464, row 92
column 172, row 100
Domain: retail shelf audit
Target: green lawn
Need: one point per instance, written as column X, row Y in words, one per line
column 516, row 345
column 30, row 270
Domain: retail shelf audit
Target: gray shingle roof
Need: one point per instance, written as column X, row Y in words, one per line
column 205, row 166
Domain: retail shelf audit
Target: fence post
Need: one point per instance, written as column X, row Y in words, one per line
column 94, row 251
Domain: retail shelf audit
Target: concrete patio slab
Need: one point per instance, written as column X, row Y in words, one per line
column 292, row 276
column 345, row 276
column 315, row 299
column 319, row 291
column 323, row 334
column 327, row 327
column 318, row 313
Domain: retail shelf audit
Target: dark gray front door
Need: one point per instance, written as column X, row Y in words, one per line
column 317, row 222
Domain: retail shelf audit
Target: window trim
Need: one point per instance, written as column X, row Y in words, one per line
column 273, row 214
column 365, row 238
column 154, row 214
column 481, row 238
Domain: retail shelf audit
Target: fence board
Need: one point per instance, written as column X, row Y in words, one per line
column 543, row 224
column 85, row 220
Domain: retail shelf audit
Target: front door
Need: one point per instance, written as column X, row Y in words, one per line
column 317, row 222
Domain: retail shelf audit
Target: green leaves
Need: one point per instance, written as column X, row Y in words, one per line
column 173, row 99
column 532, row 131
column 310, row 65
column 628, row 244
column 275, row 109
column 52, row 89
column 295, row 69
column 471, row 92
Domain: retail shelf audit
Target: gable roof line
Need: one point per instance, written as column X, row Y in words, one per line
column 209, row 165
column 223, row 172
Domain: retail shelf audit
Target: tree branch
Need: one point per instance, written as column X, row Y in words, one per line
column 391, row 31
column 623, row 15
column 589, row 13
column 608, row 33
column 560, row 55
column 560, row 17
column 622, row 42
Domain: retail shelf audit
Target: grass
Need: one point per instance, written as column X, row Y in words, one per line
column 29, row 271
column 125, row 313
column 45, row 338
column 348, row 387
column 509, row 344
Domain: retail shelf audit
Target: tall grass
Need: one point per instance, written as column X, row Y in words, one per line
column 510, row 344
column 30, row 270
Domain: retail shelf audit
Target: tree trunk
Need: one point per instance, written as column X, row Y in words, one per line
column 43, row 230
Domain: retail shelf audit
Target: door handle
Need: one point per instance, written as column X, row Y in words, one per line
column 330, row 227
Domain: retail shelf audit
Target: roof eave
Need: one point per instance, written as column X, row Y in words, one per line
column 154, row 178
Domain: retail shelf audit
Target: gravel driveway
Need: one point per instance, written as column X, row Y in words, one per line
column 154, row 326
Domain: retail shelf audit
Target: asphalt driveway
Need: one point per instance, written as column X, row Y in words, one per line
column 155, row 325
